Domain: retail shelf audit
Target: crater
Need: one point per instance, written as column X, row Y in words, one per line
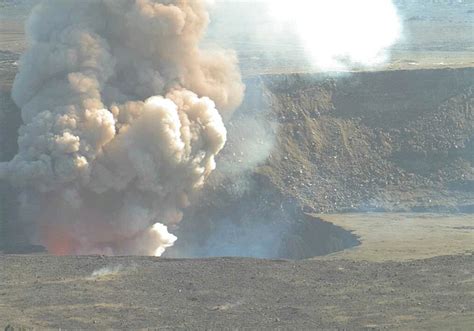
column 258, row 224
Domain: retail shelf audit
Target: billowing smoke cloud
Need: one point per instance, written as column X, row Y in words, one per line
column 340, row 34
column 120, row 117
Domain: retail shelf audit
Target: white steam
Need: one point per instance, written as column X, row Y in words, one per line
column 340, row 34
column 106, row 271
column 120, row 117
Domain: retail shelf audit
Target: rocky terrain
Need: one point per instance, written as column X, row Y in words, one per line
column 140, row 292
column 375, row 141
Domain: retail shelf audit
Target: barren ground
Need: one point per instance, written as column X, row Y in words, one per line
column 404, row 236
column 60, row 292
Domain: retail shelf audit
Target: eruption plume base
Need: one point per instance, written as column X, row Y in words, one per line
column 60, row 240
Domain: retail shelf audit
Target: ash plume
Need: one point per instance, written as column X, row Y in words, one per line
column 120, row 122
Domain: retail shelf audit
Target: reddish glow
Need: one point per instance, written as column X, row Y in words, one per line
column 58, row 240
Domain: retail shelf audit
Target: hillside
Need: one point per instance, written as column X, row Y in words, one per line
column 384, row 140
